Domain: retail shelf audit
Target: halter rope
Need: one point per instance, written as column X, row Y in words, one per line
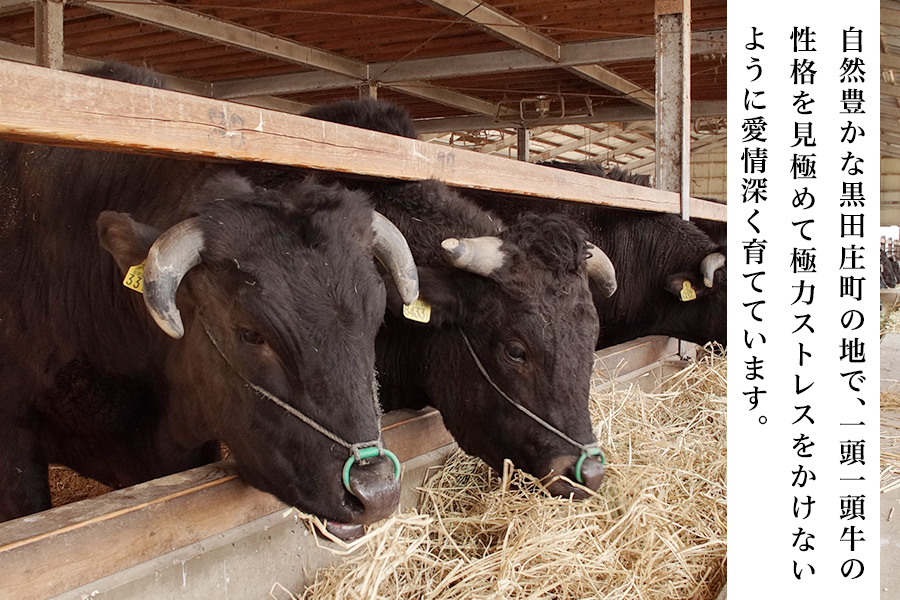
column 359, row 451
column 586, row 449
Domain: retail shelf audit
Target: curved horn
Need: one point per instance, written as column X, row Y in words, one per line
column 391, row 249
column 172, row 255
column 709, row 265
column 601, row 270
column 481, row 255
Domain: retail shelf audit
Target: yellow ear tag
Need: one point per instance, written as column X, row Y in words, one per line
column 417, row 311
column 134, row 278
column 687, row 292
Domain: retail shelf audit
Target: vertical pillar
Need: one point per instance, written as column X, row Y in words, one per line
column 369, row 89
column 673, row 99
column 522, row 143
column 48, row 33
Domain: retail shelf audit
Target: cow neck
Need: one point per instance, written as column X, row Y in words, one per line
column 353, row 448
column 586, row 449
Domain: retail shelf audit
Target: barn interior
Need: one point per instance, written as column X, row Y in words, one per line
column 493, row 86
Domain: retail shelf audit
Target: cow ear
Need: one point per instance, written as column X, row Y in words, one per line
column 438, row 303
column 125, row 239
column 686, row 286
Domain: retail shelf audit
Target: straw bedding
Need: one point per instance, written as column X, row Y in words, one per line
column 656, row 529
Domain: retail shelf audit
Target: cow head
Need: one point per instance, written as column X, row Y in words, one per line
column 512, row 316
column 280, row 299
column 697, row 301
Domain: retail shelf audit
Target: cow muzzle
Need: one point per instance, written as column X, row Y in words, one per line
column 376, row 484
column 587, row 471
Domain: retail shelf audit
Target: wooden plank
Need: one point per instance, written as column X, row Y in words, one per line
column 48, row 553
column 43, row 106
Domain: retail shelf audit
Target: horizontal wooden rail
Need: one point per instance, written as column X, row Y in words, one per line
column 43, row 106
column 48, row 553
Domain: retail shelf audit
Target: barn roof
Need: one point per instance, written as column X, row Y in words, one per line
column 578, row 73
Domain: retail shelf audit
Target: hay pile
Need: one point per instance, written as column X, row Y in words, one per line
column 655, row 530
column 890, row 321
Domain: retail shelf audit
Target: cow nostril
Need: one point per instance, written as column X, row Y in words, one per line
column 592, row 472
column 373, row 483
column 590, row 469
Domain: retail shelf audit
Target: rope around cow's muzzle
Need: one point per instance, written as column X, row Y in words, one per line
column 359, row 452
column 586, row 449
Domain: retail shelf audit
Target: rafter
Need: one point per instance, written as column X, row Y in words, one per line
column 706, row 142
column 486, row 63
column 498, row 24
column 220, row 31
column 590, row 138
column 601, row 115
column 510, row 140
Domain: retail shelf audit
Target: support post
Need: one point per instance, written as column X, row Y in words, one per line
column 522, row 143
column 48, row 33
column 369, row 89
column 673, row 99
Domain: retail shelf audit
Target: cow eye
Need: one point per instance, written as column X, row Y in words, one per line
column 248, row 336
column 515, row 352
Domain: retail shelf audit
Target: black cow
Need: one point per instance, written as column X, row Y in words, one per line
column 511, row 321
column 672, row 276
column 276, row 317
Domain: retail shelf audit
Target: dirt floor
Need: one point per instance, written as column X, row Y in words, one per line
column 68, row 486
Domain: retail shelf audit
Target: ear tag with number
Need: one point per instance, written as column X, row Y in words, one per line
column 134, row 278
column 687, row 292
column 418, row 311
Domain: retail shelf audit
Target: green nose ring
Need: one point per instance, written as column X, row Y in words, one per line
column 366, row 453
column 584, row 454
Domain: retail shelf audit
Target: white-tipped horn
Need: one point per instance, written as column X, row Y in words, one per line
column 601, row 270
column 391, row 249
column 481, row 255
column 172, row 255
column 709, row 265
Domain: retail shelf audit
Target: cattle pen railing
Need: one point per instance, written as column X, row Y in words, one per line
column 43, row 106
column 63, row 550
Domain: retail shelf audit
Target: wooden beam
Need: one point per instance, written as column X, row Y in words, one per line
column 448, row 97
column 511, row 140
column 26, row 55
column 628, row 149
column 48, row 33
column 587, row 140
column 673, row 91
column 697, row 145
column 43, row 106
column 601, row 115
column 175, row 18
column 279, row 104
column 498, row 24
column 444, row 67
column 890, row 90
column 9, row 7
